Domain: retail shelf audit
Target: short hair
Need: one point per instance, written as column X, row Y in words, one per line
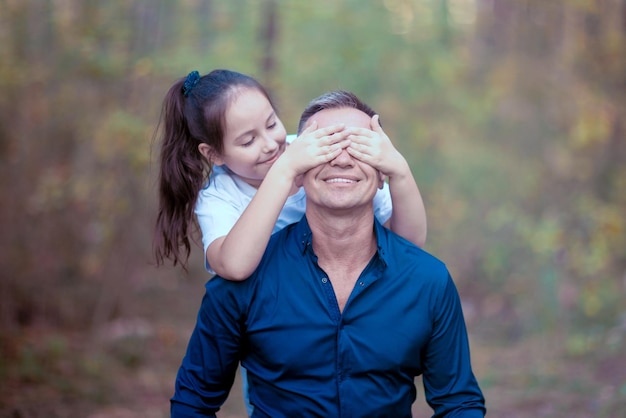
column 337, row 99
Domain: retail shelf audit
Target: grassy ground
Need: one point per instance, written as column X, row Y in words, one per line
column 126, row 368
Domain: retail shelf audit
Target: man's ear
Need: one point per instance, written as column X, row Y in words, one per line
column 210, row 154
column 298, row 181
column 381, row 180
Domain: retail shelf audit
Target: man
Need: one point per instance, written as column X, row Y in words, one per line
column 340, row 315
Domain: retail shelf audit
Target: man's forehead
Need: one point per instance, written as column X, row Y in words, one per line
column 346, row 115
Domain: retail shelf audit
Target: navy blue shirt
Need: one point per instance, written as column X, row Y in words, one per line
column 306, row 358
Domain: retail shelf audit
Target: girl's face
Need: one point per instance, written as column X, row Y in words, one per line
column 254, row 137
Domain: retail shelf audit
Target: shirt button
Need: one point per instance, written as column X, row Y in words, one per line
column 361, row 284
column 324, row 280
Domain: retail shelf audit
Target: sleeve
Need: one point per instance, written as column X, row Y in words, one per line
column 208, row 370
column 216, row 216
column 449, row 383
column 382, row 204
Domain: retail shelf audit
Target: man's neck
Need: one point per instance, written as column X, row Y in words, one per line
column 335, row 236
column 344, row 245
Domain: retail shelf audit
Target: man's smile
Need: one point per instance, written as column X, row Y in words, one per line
column 340, row 180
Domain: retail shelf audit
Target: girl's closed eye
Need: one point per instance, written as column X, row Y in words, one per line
column 272, row 125
column 248, row 143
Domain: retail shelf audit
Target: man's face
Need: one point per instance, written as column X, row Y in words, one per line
column 345, row 182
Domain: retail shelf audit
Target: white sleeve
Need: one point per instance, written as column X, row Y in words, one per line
column 216, row 215
column 382, row 204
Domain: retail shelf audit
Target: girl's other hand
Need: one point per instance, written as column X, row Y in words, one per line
column 375, row 148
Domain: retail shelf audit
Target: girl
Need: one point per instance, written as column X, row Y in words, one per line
column 224, row 155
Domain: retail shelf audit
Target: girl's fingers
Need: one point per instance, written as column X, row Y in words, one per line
column 312, row 127
column 331, row 133
column 363, row 147
column 329, row 152
column 332, row 153
column 354, row 152
column 338, row 146
column 359, row 153
column 357, row 146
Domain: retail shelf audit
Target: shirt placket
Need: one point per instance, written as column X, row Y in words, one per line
column 347, row 398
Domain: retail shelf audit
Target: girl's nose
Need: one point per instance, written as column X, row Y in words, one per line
column 269, row 144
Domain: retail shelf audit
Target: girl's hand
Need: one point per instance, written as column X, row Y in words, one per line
column 375, row 148
column 314, row 147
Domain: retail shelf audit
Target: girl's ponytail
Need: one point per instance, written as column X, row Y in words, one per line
column 181, row 176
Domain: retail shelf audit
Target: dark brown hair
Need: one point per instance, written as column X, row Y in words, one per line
column 333, row 100
column 189, row 118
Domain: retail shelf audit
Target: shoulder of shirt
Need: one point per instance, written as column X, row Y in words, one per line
column 219, row 176
column 405, row 251
column 281, row 244
column 222, row 186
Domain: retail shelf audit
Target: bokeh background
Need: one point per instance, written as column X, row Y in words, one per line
column 511, row 113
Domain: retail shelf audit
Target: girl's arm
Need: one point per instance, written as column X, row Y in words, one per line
column 236, row 255
column 374, row 147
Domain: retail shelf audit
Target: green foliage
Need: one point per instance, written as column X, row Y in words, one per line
column 511, row 119
column 497, row 143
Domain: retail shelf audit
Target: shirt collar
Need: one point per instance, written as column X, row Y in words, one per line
column 304, row 235
column 305, row 238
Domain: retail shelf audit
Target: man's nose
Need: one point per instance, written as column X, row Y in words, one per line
column 344, row 159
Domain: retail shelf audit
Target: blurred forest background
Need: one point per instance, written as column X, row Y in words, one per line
column 512, row 114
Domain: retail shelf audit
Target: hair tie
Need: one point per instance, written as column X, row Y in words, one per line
column 191, row 80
